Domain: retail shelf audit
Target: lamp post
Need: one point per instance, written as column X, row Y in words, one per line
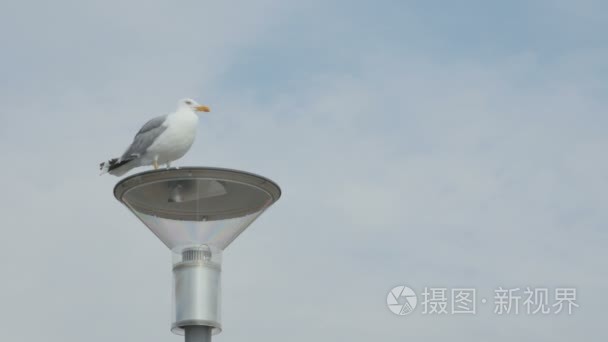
column 197, row 212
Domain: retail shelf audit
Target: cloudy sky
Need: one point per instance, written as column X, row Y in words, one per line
column 424, row 143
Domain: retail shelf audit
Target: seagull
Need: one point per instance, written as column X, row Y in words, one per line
column 160, row 141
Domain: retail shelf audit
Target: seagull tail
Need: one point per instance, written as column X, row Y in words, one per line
column 116, row 167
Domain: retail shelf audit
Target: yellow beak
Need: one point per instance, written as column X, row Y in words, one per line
column 202, row 109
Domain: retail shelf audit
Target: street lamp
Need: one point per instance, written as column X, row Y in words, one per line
column 197, row 212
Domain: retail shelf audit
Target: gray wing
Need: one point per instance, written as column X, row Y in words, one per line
column 145, row 137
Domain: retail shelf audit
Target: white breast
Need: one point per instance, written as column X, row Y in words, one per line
column 176, row 140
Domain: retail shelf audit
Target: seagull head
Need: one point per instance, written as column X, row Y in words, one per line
column 192, row 105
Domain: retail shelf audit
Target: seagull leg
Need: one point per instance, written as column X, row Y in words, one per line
column 168, row 165
column 155, row 164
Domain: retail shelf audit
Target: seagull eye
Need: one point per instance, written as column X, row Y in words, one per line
column 188, row 102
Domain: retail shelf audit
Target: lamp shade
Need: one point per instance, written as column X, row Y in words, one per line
column 195, row 206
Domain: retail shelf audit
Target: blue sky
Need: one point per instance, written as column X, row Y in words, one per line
column 420, row 143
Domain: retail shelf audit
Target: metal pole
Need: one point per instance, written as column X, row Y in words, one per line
column 198, row 333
